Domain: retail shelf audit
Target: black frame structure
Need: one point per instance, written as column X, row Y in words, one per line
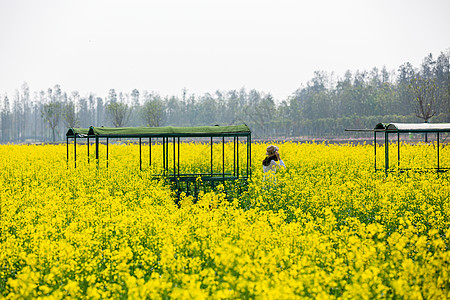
column 171, row 137
column 398, row 128
column 74, row 133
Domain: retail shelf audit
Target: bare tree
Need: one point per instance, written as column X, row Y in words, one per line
column 51, row 113
column 425, row 94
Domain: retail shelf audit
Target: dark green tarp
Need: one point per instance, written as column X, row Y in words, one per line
column 170, row 131
column 80, row 132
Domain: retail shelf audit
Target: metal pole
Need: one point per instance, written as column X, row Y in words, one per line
column 88, row 150
column 178, row 169
column 67, row 150
column 250, row 137
column 107, row 152
column 140, row 153
column 96, row 148
column 398, row 149
column 375, row 148
column 234, row 156
column 174, row 158
column 150, row 151
column 167, row 154
column 248, row 144
column 386, row 152
column 237, row 156
column 223, row 157
column 75, row 149
column 211, row 156
column 164, row 156
column 438, row 148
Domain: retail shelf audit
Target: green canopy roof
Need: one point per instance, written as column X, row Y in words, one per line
column 414, row 127
column 170, row 131
column 79, row 132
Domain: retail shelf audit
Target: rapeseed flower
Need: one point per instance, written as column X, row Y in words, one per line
column 330, row 228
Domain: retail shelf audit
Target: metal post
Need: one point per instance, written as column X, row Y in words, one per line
column 88, row 150
column 223, row 157
column 174, row 158
column 150, row 151
column 237, row 156
column 164, row 155
column 96, row 148
column 178, row 169
column 107, row 152
column 234, row 156
column 386, row 152
column 250, row 162
column 211, row 156
column 375, row 147
column 437, row 151
column 67, row 151
column 248, row 144
column 167, row 155
column 140, row 153
column 398, row 149
column 75, row 149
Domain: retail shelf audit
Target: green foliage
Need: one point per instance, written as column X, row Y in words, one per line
column 118, row 112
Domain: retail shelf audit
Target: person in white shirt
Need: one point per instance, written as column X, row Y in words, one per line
column 272, row 162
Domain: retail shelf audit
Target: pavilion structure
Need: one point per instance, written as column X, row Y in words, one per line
column 396, row 129
column 171, row 138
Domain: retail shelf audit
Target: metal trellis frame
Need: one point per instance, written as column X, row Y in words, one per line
column 170, row 137
column 398, row 128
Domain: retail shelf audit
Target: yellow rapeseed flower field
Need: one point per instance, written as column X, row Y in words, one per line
column 329, row 228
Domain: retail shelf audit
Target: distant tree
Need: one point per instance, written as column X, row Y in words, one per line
column 135, row 108
column 118, row 112
column 82, row 112
column 190, row 113
column 206, row 110
column 425, row 93
column 70, row 116
column 112, row 96
column 135, row 97
column 406, row 73
column 91, row 109
column 261, row 110
column 6, row 120
column 51, row 113
column 442, row 71
column 173, row 106
column 152, row 112
column 26, row 110
column 100, row 108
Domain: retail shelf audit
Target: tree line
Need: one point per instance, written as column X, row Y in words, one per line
column 323, row 107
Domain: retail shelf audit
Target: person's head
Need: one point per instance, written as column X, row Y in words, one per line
column 271, row 150
column 271, row 154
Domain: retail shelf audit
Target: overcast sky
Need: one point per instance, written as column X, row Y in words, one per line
column 205, row 45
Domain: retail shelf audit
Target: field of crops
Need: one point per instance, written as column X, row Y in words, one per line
column 329, row 228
